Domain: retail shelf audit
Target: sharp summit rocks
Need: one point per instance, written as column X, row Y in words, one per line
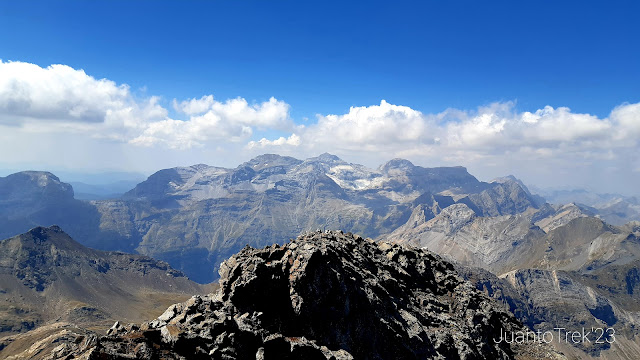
column 324, row 295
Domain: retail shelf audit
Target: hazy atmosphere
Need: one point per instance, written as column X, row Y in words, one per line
column 546, row 92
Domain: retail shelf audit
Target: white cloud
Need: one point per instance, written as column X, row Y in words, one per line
column 383, row 124
column 194, row 106
column 561, row 125
column 293, row 140
column 58, row 92
column 65, row 100
column 231, row 121
column 490, row 130
column 626, row 117
column 46, row 113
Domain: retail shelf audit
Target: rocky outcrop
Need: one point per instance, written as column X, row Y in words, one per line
column 325, row 296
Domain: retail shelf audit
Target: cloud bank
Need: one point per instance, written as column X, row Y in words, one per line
column 61, row 102
column 60, row 98
column 493, row 130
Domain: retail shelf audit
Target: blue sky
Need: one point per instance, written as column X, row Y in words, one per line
column 322, row 57
column 489, row 85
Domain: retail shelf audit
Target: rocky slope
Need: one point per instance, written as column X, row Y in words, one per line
column 602, row 306
column 569, row 239
column 45, row 276
column 196, row 217
column 323, row 296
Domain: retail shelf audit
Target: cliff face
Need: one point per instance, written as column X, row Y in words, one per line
column 323, row 296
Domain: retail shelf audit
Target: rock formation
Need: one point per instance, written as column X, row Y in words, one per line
column 323, row 296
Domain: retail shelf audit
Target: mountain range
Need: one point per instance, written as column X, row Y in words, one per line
column 195, row 217
column 615, row 209
column 550, row 264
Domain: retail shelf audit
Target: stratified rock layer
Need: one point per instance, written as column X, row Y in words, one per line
column 324, row 296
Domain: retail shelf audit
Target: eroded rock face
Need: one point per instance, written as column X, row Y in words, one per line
column 325, row 296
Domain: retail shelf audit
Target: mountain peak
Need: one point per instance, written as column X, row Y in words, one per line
column 30, row 184
column 327, row 158
column 270, row 160
column 397, row 164
column 39, row 230
column 42, row 236
column 312, row 299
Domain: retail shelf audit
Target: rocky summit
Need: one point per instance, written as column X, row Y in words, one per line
column 324, row 295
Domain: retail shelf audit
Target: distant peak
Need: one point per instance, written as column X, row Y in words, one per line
column 507, row 179
column 34, row 175
column 397, row 163
column 200, row 167
column 33, row 184
column 269, row 160
column 45, row 229
column 268, row 157
column 328, row 157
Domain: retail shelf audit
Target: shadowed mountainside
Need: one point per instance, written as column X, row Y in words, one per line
column 45, row 277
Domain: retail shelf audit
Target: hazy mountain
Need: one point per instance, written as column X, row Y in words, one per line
column 46, row 276
column 102, row 191
column 550, row 264
column 615, row 209
column 37, row 198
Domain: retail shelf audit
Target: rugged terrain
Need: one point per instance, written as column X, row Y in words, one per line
column 550, row 264
column 570, row 239
column 323, row 296
column 46, row 277
column 195, row 217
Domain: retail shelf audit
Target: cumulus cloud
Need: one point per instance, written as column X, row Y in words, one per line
column 57, row 92
column 194, row 106
column 48, row 104
column 383, row 124
column 293, row 140
column 231, row 121
column 361, row 129
column 60, row 98
column 492, row 129
column 626, row 118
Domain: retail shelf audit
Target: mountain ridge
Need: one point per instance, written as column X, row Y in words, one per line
column 46, row 276
column 324, row 295
column 195, row 217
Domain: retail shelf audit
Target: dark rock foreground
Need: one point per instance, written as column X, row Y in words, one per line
column 323, row 296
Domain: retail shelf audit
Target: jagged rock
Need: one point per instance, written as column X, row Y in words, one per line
column 326, row 296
